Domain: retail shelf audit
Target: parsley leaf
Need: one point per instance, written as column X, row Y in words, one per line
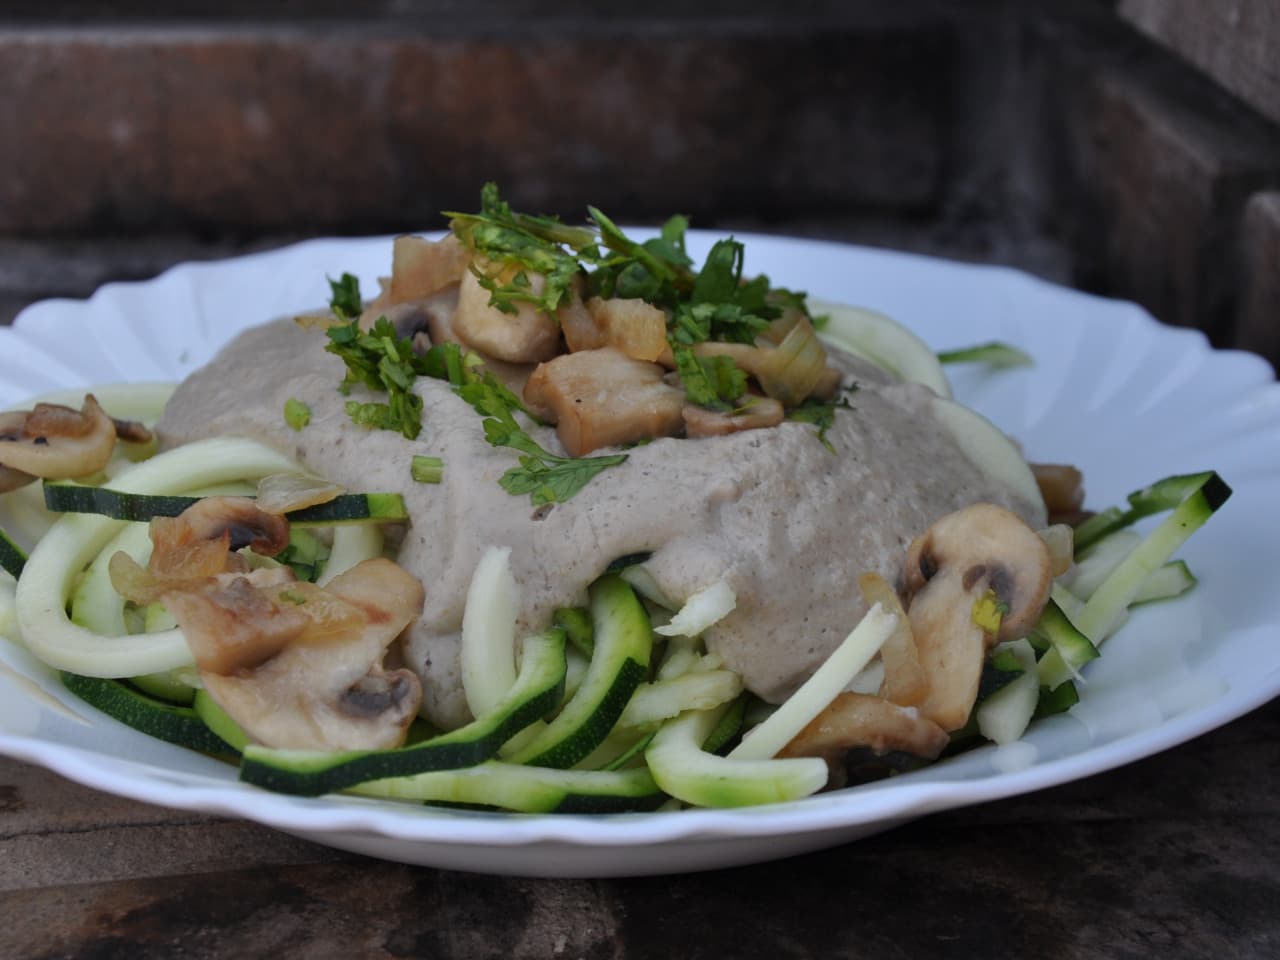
column 545, row 476
column 713, row 382
column 345, row 300
column 509, row 246
column 822, row 413
column 296, row 413
column 382, row 361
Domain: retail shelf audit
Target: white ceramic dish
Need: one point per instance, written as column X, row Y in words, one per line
column 1112, row 391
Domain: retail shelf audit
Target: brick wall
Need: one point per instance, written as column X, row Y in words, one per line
column 1092, row 142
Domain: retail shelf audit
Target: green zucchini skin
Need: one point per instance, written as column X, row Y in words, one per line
column 623, row 644
column 1055, row 700
column 537, row 691
column 997, row 673
column 12, row 557
column 141, row 508
column 1165, row 494
column 219, row 722
column 164, row 721
column 1069, row 648
column 496, row 785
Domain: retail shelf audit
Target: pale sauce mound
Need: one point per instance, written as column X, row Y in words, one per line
column 788, row 523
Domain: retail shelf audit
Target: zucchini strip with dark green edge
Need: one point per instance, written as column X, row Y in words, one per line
column 619, row 662
column 509, row 786
column 1055, row 700
column 999, row 670
column 1160, row 496
column 219, row 722
column 993, row 354
column 1069, row 648
column 536, row 692
column 1118, row 590
column 164, row 721
column 12, row 557
column 141, row 508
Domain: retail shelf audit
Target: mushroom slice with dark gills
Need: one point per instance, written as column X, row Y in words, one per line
column 297, row 666
column 51, row 440
column 980, row 556
column 858, row 731
column 327, row 687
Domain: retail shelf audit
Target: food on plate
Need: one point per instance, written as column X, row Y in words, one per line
column 563, row 520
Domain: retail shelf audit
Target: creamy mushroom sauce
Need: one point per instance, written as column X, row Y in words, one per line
column 789, row 524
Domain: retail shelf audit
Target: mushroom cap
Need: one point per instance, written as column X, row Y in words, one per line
column 54, row 441
column 325, row 687
column 994, row 549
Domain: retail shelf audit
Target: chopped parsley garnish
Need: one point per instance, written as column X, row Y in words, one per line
column 540, row 261
column 509, row 246
column 296, row 413
column 545, row 476
column 345, row 300
column 822, row 413
column 382, row 361
column 713, row 382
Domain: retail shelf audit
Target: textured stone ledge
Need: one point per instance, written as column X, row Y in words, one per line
column 128, row 131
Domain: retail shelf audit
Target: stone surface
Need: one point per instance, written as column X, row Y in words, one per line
column 347, row 130
column 1259, row 319
column 1151, row 168
column 1234, row 41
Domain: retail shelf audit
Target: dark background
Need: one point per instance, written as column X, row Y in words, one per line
column 1129, row 147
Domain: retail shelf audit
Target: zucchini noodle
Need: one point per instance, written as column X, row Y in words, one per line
column 75, row 540
column 125, row 401
column 353, row 543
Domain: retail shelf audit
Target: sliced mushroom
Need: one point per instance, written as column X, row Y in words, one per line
column 526, row 336
column 857, row 727
column 233, row 626
column 55, row 441
column 327, row 688
column 759, row 412
column 980, row 550
column 237, row 520
column 421, row 267
column 409, row 320
column 11, row 479
column 634, row 326
column 905, row 682
column 131, row 431
column 1062, row 487
column 599, row 398
column 581, row 328
column 828, row 383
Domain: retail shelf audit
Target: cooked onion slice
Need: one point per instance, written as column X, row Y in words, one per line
column 789, row 363
column 791, row 370
column 284, row 492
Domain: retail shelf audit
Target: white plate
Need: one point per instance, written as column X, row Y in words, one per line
column 1112, row 391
